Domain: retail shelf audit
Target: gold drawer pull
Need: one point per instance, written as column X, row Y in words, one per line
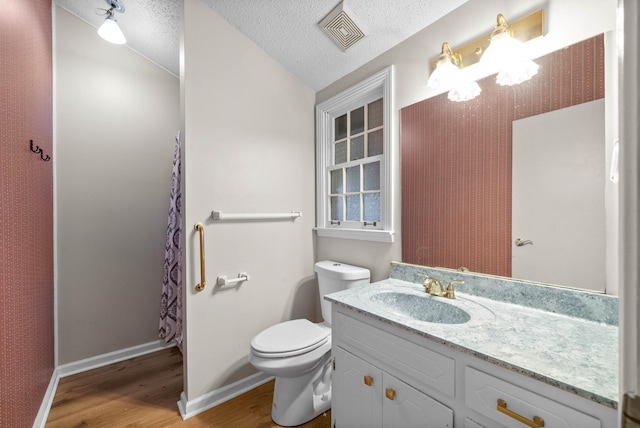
column 368, row 380
column 537, row 421
column 390, row 393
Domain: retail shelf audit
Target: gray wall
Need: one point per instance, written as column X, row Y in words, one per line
column 116, row 118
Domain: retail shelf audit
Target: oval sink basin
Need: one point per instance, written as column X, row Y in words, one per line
column 422, row 307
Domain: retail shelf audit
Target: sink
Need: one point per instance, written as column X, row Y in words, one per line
column 422, row 307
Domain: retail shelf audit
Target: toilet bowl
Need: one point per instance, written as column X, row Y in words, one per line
column 298, row 352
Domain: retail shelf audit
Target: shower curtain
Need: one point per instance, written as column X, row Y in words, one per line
column 171, row 304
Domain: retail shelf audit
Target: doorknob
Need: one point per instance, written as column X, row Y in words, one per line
column 520, row 242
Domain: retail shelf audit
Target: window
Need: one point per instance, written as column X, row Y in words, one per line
column 354, row 161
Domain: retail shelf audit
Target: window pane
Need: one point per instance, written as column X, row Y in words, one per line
column 336, row 181
column 340, row 125
column 353, row 207
column 372, row 176
column 357, row 148
column 336, row 207
column 375, row 143
column 357, row 121
column 372, row 207
column 353, row 179
column 375, row 114
column 340, row 155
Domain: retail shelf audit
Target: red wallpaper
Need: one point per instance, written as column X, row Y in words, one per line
column 26, row 210
column 456, row 160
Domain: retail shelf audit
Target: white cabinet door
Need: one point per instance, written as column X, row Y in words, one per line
column 355, row 403
column 406, row 407
column 469, row 423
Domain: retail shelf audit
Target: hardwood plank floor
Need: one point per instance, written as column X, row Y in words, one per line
column 143, row 392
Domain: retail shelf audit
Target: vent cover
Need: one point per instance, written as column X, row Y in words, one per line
column 343, row 27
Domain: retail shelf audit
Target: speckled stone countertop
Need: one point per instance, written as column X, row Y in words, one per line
column 565, row 338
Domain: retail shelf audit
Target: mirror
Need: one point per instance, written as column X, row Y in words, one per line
column 456, row 173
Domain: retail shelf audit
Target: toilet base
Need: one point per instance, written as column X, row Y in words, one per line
column 299, row 399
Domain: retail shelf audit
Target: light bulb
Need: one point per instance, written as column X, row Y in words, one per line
column 446, row 75
column 110, row 31
column 464, row 92
column 507, row 55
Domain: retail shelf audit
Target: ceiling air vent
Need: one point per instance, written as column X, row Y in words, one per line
column 343, row 27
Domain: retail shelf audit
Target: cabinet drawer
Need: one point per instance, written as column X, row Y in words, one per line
column 482, row 392
column 395, row 355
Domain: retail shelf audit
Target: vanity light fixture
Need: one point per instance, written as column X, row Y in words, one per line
column 506, row 54
column 447, row 74
column 514, row 66
column 110, row 30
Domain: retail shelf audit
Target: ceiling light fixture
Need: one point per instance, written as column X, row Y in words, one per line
column 110, row 30
column 506, row 54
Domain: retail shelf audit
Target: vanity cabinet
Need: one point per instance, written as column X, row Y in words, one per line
column 381, row 380
column 388, row 376
column 366, row 396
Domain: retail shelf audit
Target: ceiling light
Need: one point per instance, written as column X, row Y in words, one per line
column 506, row 54
column 110, row 30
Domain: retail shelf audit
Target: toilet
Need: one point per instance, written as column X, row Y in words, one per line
column 298, row 352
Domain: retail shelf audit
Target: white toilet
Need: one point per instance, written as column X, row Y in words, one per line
column 298, row 352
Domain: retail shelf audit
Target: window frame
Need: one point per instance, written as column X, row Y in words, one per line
column 379, row 85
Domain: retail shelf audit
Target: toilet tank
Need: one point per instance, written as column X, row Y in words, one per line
column 336, row 276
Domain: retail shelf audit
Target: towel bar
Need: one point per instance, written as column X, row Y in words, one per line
column 219, row 215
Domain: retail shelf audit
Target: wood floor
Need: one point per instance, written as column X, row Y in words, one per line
column 143, row 392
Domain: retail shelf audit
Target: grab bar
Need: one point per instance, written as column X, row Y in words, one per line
column 219, row 215
column 200, row 229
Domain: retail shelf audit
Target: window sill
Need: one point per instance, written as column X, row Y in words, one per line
column 359, row 234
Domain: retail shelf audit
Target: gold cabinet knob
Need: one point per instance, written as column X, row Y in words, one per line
column 390, row 393
column 368, row 380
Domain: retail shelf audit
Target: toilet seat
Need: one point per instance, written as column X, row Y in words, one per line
column 289, row 339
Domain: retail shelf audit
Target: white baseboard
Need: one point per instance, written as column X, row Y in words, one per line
column 111, row 358
column 189, row 408
column 47, row 401
column 89, row 364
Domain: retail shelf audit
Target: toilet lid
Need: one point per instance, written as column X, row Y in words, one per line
column 290, row 338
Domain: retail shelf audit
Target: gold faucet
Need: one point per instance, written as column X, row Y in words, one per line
column 434, row 287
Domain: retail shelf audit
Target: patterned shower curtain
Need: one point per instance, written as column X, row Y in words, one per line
column 171, row 305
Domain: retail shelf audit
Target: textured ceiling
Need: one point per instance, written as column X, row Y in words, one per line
column 286, row 29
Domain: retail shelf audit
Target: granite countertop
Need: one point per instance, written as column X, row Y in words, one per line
column 569, row 352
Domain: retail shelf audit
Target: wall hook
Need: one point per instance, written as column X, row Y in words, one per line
column 37, row 150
